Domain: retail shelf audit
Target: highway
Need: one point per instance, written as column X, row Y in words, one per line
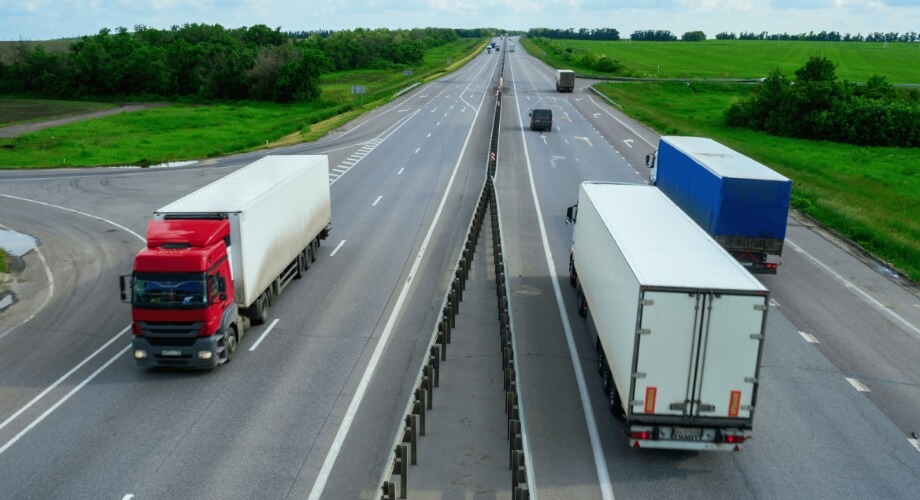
column 310, row 404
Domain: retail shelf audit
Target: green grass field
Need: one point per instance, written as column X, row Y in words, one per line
column 3, row 265
column 856, row 61
column 187, row 131
column 867, row 194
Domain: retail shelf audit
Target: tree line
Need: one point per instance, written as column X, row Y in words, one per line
column 200, row 61
column 823, row 36
column 609, row 34
column 816, row 106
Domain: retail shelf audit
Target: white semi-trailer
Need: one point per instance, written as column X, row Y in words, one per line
column 678, row 323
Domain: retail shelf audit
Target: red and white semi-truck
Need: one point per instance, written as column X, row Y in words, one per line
column 678, row 323
column 217, row 257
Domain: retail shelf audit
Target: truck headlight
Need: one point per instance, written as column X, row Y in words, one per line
column 140, row 354
column 205, row 354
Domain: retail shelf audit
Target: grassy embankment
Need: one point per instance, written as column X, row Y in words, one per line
column 3, row 265
column 193, row 131
column 870, row 195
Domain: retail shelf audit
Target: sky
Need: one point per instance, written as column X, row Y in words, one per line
column 50, row 19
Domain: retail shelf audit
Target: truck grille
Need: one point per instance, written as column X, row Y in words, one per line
column 170, row 334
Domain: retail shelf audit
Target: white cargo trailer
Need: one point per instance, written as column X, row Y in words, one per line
column 679, row 323
column 276, row 206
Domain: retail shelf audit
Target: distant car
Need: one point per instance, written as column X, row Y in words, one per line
column 541, row 119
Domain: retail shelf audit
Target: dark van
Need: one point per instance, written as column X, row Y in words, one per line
column 541, row 119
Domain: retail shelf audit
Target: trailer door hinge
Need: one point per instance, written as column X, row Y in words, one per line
column 637, row 402
column 747, row 407
column 638, row 375
column 760, row 307
column 706, row 407
column 644, row 331
column 750, row 380
column 678, row 406
column 647, row 302
column 756, row 336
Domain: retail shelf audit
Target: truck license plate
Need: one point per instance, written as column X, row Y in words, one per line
column 171, row 352
column 688, row 434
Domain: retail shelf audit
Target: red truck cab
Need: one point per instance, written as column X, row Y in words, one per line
column 183, row 309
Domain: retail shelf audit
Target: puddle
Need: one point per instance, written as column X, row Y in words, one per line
column 17, row 244
column 880, row 268
column 6, row 301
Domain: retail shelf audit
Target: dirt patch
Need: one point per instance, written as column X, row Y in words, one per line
column 25, row 128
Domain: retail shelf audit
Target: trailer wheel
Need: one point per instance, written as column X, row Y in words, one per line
column 301, row 266
column 606, row 378
column 310, row 255
column 616, row 406
column 315, row 249
column 573, row 275
column 230, row 342
column 600, row 357
column 582, row 305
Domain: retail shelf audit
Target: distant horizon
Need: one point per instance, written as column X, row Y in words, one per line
column 39, row 20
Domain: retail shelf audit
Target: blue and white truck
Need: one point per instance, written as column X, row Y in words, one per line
column 740, row 202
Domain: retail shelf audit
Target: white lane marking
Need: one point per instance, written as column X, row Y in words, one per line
column 337, row 248
column 809, row 338
column 437, row 124
column 349, row 417
column 600, row 463
column 73, row 391
column 119, row 226
column 62, row 379
column 129, row 496
column 628, row 142
column 264, row 334
column 859, row 386
column 429, row 134
column 914, row 442
column 417, row 150
column 912, row 330
column 400, row 171
column 621, row 122
column 377, row 201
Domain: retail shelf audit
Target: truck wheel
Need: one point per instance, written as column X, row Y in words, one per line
column 258, row 312
column 230, row 342
column 582, row 305
column 310, row 256
column 573, row 276
column 315, row 249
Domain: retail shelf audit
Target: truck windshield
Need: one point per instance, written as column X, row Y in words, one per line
column 169, row 290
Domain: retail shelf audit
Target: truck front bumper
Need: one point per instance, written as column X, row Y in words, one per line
column 204, row 353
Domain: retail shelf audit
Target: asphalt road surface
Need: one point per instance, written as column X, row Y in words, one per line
column 312, row 407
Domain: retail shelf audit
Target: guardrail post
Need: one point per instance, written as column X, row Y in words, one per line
column 401, row 468
column 420, row 410
column 427, row 383
column 411, row 437
column 434, row 361
column 389, row 491
column 442, row 339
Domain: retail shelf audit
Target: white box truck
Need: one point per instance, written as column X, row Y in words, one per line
column 565, row 80
column 222, row 252
column 678, row 323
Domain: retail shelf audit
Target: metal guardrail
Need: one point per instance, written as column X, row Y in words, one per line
column 405, row 445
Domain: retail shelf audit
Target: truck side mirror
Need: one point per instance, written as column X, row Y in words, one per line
column 571, row 214
column 648, row 161
column 125, row 284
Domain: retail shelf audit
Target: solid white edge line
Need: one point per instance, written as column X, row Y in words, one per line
column 349, row 417
column 913, row 330
column 809, row 338
column 914, row 442
column 600, row 462
column 264, row 334
column 61, row 380
column 337, row 247
column 73, row 391
column 859, row 386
